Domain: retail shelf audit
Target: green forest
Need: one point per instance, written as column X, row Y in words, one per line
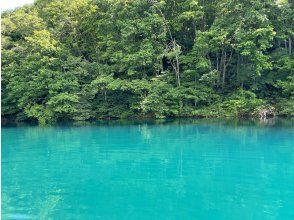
column 72, row 60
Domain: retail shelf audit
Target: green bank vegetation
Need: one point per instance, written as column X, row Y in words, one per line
column 97, row 59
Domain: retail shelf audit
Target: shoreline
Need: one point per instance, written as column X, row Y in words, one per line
column 5, row 122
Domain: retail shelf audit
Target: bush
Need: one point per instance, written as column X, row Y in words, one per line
column 242, row 104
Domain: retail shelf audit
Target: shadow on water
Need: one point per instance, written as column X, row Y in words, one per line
column 272, row 122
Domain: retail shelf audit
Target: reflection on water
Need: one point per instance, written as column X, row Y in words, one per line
column 183, row 169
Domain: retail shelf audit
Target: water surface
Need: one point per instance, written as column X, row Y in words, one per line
column 191, row 169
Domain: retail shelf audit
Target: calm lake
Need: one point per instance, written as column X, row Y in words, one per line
column 184, row 169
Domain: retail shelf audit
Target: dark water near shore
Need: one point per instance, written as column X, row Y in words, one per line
column 183, row 169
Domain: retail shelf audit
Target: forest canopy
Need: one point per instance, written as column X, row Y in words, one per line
column 97, row 59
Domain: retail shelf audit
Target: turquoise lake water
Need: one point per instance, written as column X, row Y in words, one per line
column 189, row 169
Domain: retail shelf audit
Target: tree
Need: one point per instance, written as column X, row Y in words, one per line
column 84, row 60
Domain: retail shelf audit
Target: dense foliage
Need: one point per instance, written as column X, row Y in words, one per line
column 91, row 59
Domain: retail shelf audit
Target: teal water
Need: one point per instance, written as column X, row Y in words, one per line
column 170, row 170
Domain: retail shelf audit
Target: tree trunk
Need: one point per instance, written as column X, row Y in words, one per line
column 195, row 83
column 105, row 96
column 177, row 70
column 217, row 64
column 221, row 66
column 176, row 65
column 285, row 44
column 290, row 45
column 224, row 67
column 238, row 68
